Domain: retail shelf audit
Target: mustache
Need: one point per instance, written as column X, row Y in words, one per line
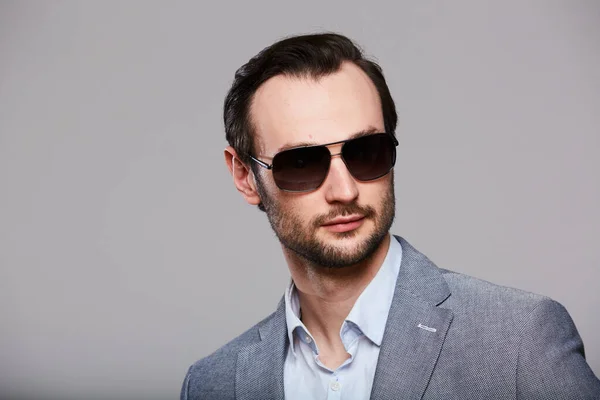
column 344, row 210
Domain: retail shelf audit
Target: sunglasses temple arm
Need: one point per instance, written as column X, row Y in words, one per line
column 261, row 163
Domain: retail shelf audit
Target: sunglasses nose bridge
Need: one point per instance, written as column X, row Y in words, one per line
column 341, row 156
column 340, row 148
column 339, row 184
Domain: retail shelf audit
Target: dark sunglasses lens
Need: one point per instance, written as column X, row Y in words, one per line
column 301, row 169
column 370, row 157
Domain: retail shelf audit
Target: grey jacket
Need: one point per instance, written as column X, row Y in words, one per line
column 485, row 342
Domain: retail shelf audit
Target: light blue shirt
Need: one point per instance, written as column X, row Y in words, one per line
column 305, row 377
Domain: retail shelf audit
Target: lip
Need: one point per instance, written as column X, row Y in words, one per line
column 343, row 220
column 344, row 224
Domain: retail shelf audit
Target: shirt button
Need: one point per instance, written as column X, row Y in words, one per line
column 308, row 339
column 335, row 386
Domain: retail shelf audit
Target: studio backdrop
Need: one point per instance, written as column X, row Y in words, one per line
column 125, row 251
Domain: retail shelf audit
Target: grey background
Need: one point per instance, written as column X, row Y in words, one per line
column 125, row 251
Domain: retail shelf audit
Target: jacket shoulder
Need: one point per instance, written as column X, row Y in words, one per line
column 473, row 291
column 215, row 373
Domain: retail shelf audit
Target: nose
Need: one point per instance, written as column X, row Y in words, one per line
column 340, row 186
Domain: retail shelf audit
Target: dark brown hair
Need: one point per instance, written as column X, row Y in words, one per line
column 315, row 56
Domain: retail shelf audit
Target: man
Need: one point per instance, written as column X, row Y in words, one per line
column 311, row 123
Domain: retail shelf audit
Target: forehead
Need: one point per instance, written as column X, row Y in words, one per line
column 288, row 110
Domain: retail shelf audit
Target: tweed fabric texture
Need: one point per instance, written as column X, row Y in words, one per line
column 448, row 336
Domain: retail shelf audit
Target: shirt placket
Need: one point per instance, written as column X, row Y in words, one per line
column 334, row 388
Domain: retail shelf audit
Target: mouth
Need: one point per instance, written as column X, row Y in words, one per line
column 344, row 224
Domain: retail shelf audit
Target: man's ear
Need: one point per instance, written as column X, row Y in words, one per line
column 243, row 177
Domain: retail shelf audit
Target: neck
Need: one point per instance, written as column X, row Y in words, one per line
column 328, row 294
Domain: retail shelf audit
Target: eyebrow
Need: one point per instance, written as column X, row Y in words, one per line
column 365, row 132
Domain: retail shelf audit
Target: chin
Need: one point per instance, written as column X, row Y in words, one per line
column 348, row 252
column 347, row 242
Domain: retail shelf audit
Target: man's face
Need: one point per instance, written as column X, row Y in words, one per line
column 287, row 111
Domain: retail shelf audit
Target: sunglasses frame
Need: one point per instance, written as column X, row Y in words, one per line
column 270, row 166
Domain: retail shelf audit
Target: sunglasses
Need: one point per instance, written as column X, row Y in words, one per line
column 302, row 169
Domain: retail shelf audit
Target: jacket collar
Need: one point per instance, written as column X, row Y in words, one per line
column 415, row 330
column 259, row 368
column 412, row 341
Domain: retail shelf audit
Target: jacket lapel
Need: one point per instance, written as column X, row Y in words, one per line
column 412, row 341
column 259, row 370
column 415, row 330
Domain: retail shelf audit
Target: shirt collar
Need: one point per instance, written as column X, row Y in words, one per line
column 292, row 313
column 370, row 311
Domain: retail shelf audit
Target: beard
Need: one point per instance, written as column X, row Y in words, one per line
column 301, row 238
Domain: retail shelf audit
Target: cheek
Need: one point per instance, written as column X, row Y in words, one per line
column 305, row 206
column 269, row 188
column 370, row 192
column 375, row 193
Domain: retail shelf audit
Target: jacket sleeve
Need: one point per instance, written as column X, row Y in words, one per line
column 185, row 386
column 551, row 362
